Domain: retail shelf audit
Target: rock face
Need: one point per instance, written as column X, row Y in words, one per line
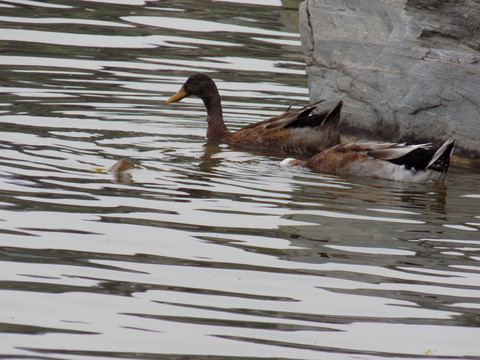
column 408, row 70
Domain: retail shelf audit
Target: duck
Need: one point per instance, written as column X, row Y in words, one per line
column 392, row 161
column 298, row 131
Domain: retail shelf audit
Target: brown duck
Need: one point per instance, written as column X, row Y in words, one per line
column 294, row 131
column 392, row 161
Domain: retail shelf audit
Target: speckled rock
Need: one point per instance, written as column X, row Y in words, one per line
column 408, row 70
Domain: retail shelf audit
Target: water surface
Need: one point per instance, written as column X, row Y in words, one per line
column 207, row 251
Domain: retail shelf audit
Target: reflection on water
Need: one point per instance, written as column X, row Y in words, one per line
column 204, row 250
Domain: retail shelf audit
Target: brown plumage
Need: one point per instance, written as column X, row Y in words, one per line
column 399, row 162
column 295, row 131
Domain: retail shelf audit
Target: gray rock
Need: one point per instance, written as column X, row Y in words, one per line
column 408, row 70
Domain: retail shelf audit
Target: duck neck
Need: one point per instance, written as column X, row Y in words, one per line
column 216, row 127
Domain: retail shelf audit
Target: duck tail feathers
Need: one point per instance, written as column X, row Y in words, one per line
column 441, row 159
column 334, row 114
column 306, row 110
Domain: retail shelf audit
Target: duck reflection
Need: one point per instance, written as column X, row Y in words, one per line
column 209, row 161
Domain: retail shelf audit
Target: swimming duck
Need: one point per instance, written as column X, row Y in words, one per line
column 393, row 161
column 295, row 131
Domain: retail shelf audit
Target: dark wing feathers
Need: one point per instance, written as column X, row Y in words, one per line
column 305, row 119
column 395, row 151
column 289, row 118
column 300, row 118
column 419, row 157
column 441, row 159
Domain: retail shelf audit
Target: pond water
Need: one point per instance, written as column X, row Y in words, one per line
column 206, row 251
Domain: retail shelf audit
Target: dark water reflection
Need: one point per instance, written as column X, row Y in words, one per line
column 205, row 251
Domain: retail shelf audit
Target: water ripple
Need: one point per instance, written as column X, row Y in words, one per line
column 204, row 250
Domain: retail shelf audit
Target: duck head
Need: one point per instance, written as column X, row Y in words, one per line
column 200, row 85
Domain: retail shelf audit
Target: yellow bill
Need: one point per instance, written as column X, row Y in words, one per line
column 178, row 96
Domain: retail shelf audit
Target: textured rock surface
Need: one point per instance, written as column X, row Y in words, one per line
column 408, row 70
